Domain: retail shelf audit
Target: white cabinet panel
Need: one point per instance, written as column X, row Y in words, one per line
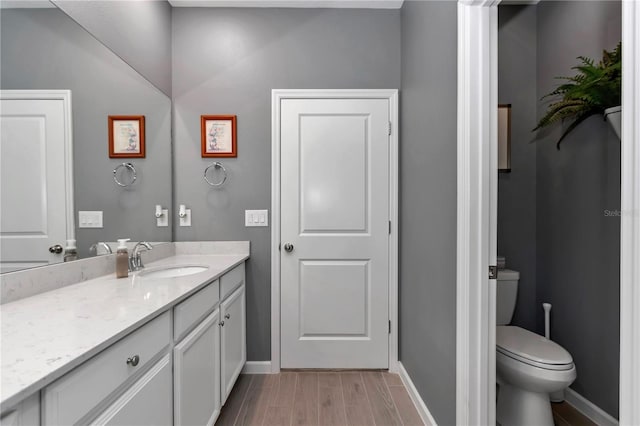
column 197, row 374
column 26, row 413
column 146, row 403
column 233, row 339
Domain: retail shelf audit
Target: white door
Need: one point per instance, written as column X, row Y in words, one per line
column 197, row 374
column 232, row 340
column 335, row 233
column 35, row 178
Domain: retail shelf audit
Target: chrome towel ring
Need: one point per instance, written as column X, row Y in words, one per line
column 217, row 165
column 128, row 166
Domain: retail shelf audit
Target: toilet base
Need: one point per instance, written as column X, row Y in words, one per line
column 519, row 407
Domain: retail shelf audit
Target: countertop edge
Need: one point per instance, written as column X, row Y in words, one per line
column 11, row 401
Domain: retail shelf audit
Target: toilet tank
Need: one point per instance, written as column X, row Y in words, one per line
column 506, row 294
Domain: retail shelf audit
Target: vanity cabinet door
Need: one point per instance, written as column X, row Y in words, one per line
column 147, row 402
column 233, row 340
column 197, row 374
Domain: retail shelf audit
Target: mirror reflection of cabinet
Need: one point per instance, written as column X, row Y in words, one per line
column 46, row 49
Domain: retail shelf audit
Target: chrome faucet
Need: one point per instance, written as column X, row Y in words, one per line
column 107, row 247
column 135, row 260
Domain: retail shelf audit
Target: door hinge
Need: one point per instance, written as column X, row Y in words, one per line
column 389, row 227
column 493, row 272
column 389, row 128
column 389, row 326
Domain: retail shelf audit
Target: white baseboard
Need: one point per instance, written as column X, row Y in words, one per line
column 589, row 409
column 257, row 367
column 424, row 412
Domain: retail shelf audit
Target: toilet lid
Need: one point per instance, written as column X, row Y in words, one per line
column 527, row 346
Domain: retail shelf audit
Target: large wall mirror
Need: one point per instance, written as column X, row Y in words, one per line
column 46, row 181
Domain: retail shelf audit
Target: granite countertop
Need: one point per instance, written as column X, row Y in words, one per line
column 49, row 334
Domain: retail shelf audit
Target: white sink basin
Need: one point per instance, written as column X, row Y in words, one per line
column 172, row 271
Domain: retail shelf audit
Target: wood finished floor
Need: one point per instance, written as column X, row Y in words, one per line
column 345, row 398
column 565, row 415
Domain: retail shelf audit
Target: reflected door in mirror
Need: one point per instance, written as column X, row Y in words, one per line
column 35, row 172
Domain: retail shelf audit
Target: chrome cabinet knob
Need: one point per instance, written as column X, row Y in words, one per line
column 221, row 323
column 288, row 247
column 133, row 361
column 227, row 316
column 57, row 249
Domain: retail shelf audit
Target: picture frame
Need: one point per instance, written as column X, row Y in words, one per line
column 126, row 136
column 218, row 136
column 504, row 138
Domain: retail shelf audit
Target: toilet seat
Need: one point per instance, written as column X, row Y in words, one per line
column 532, row 349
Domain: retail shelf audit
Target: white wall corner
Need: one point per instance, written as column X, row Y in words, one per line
column 423, row 411
column 257, row 367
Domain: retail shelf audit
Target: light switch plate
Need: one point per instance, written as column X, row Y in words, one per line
column 163, row 220
column 186, row 220
column 256, row 218
column 90, row 219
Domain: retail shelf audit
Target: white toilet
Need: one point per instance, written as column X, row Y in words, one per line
column 528, row 366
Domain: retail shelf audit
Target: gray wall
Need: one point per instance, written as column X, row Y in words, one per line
column 578, row 246
column 137, row 31
column 227, row 61
column 45, row 49
column 428, row 203
column 517, row 189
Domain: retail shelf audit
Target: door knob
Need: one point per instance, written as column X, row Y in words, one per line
column 288, row 247
column 57, row 249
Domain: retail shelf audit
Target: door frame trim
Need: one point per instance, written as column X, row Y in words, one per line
column 65, row 97
column 476, row 213
column 277, row 95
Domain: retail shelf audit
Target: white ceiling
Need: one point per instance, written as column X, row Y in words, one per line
column 352, row 4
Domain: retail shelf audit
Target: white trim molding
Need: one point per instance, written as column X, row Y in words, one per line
column 630, row 218
column 421, row 407
column 257, row 367
column 65, row 97
column 277, row 96
column 589, row 409
column 477, row 135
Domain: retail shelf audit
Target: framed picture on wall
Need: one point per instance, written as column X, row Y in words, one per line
column 126, row 136
column 504, row 138
column 218, row 135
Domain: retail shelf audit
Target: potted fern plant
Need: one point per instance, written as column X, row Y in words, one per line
column 596, row 89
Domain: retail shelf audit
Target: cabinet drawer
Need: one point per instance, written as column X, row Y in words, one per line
column 73, row 396
column 187, row 314
column 147, row 402
column 231, row 280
